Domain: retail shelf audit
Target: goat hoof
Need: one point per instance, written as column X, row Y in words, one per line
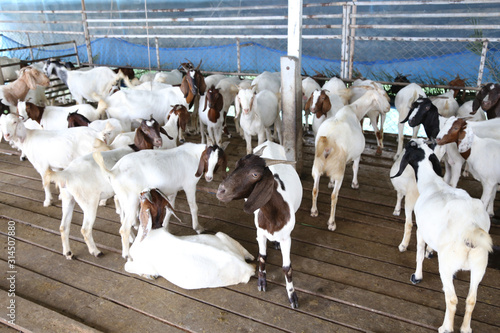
column 378, row 152
column 331, row 184
column 314, row 213
column 402, row 248
column 276, row 245
column 262, row 284
column 100, row 254
column 47, row 203
column 396, row 212
column 355, row 186
column 332, row 226
column 429, row 255
column 69, row 255
column 414, row 280
column 444, row 330
column 294, row 301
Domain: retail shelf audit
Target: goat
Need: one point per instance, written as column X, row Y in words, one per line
column 309, row 85
column 16, row 91
column 8, row 68
column 177, row 120
column 481, row 155
column 273, row 193
column 453, row 224
column 457, row 83
column 174, row 77
column 199, row 261
column 193, row 86
column 358, row 88
column 259, row 112
column 403, row 102
column 228, row 89
column 339, row 141
column 93, row 85
column 168, row 170
column 44, row 149
column 56, row 117
column 82, row 182
column 323, row 105
column 75, row 120
column 337, row 87
column 465, row 111
column 446, row 104
column 109, row 129
column 268, row 81
column 213, row 118
column 488, row 98
column 400, row 78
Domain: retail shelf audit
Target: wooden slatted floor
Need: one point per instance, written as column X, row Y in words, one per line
column 350, row 280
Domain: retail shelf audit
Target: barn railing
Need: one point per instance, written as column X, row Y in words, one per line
column 373, row 39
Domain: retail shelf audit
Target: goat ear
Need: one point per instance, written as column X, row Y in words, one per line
column 30, row 79
column 201, row 165
column 327, row 105
column 185, row 86
column 436, row 165
column 146, row 222
column 162, row 130
column 261, row 193
column 206, row 102
column 402, row 165
column 308, row 103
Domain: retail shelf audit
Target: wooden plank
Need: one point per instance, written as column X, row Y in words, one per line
column 35, row 317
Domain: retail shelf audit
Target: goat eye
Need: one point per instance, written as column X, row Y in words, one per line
column 254, row 175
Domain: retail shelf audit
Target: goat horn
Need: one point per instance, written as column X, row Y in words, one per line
column 198, row 67
column 270, row 162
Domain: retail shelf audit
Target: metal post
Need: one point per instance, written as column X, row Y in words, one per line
column 351, row 43
column 481, row 64
column 238, row 55
column 86, row 32
column 346, row 10
column 157, row 52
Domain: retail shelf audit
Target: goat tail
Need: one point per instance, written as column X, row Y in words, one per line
column 322, row 146
column 54, row 177
column 477, row 237
column 100, row 162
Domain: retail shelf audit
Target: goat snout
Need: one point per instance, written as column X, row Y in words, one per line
column 221, row 192
column 157, row 142
column 209, row 178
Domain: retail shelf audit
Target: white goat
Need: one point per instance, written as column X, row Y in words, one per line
column 465, row 111
column 446, row 104
column 481, row 155
column 190, row 262
column 83, row 182
column 259, row 112
column 337, row 86
column 273, row 193
column 109, row 129
column 174, row 77
column 453, row 224
column 55, row 117
column 168, row 170
column 340, row 140
column 93, row 85
column 44, row 149
column 9, row 73
column 358, row 88
column 128, row 105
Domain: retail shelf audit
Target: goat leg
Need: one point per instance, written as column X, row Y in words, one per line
column 262, row 283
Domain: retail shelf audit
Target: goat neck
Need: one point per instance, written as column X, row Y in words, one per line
column 456, row 130
column 34, row 112
column 211, row 159
column 254, row 181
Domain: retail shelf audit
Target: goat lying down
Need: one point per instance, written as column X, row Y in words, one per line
column 190, row 262
column 453, row 224
column 274, row 192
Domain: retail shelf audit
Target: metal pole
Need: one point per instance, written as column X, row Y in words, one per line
column 351, row 42
column 76, row 54
column 238, row 55
column 86, row 33
column 481, row 64
column 157, row 44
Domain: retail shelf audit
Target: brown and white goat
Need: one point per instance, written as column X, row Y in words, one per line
column 274, row 192
column 82, row 182
column 16, row 91
column 75, row 120
column 213, row 118
column 169, row 170
column 200, row 261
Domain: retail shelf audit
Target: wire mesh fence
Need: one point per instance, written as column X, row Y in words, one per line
column 429, row 41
